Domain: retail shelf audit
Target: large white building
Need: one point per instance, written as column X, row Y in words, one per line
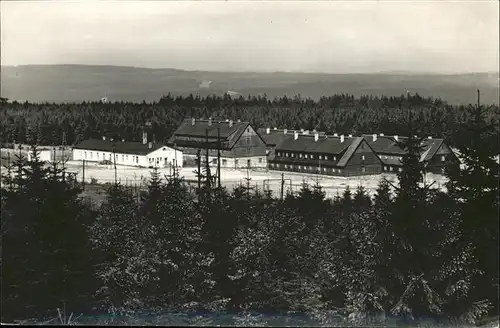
column 145, row 154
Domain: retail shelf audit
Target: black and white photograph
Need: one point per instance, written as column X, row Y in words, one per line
column 250, row 163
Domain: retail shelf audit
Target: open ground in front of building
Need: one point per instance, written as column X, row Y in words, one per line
column 231, row 178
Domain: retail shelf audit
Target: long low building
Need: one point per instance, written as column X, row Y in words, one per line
column 239, row 144
column 435, row 154
column 145, row 154
column 322, row 154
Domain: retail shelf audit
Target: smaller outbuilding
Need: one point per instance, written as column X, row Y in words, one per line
column 141, row 154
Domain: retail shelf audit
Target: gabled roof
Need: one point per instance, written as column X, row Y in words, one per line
column 324, row 145
column 387, row 145
column 350, row 151
column 229, row 134
column 134, row 148
column 276, row 136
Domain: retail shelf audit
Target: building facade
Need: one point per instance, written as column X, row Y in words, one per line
column 145, row 154
column 436, row 155
column 323, row 154
column 240, row 146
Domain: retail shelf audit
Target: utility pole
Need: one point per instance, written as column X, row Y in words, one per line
column 114, row 162
column 207, row 162
column 83, row 174
column 63, row 159
column 175, row 164
column 218, row 157
column 282, row 184
column 198, row 159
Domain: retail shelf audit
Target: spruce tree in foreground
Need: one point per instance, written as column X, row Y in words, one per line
column 475, row 187
column 46, row 262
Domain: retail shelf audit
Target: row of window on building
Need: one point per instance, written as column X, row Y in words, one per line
column 392, row 168
column 224, row 161
column 443, row 158
column 306, row 156
column 308, row 168
column 123, row 157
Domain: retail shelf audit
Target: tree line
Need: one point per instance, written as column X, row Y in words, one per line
column 46, row 123
column 409, row 253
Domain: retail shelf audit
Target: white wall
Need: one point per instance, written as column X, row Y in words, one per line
column 161, row 158
column 43, row 156
column 230, row 162
column 165, row 157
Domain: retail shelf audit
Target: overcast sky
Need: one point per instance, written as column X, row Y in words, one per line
column 307, row 36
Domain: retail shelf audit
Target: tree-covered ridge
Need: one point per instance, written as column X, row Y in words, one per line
column 46, row 122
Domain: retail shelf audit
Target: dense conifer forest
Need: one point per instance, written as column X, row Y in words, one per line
column 414, row 254
column 23, row 122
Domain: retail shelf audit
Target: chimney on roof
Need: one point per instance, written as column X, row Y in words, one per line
column 396, row 138
column 335, row 135
column 350, row 136
column 209, row 121
column 374, row 137
column 230, row 123
column 227, row 120
column 295, row 135
column 316, row 136
column 341, row 138
column 193, row 121
column 429, row 137
column 150, row 145
column 103, row 137
column 381, row 134
column 285, row 131
column 123, row 140
column 275, row 128
column 144, row 137
column 268, row 130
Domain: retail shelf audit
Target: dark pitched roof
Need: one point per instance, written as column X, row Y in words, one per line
column 276, row 136
column 134, row 148
column 324, row 145
column 229, row 135
column 387, row 145
column 306, row 143
column 350, row 151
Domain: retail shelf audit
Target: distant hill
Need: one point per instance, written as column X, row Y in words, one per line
column 75, row 83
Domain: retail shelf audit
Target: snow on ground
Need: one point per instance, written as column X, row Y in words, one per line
column 231, row 178
column 261, row 179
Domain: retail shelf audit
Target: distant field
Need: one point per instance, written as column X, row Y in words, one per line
column 76, row 83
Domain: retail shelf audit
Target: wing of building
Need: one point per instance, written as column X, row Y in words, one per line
column 322, row 154
column 143, row 154
column 435, row 155
column 239, row 144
